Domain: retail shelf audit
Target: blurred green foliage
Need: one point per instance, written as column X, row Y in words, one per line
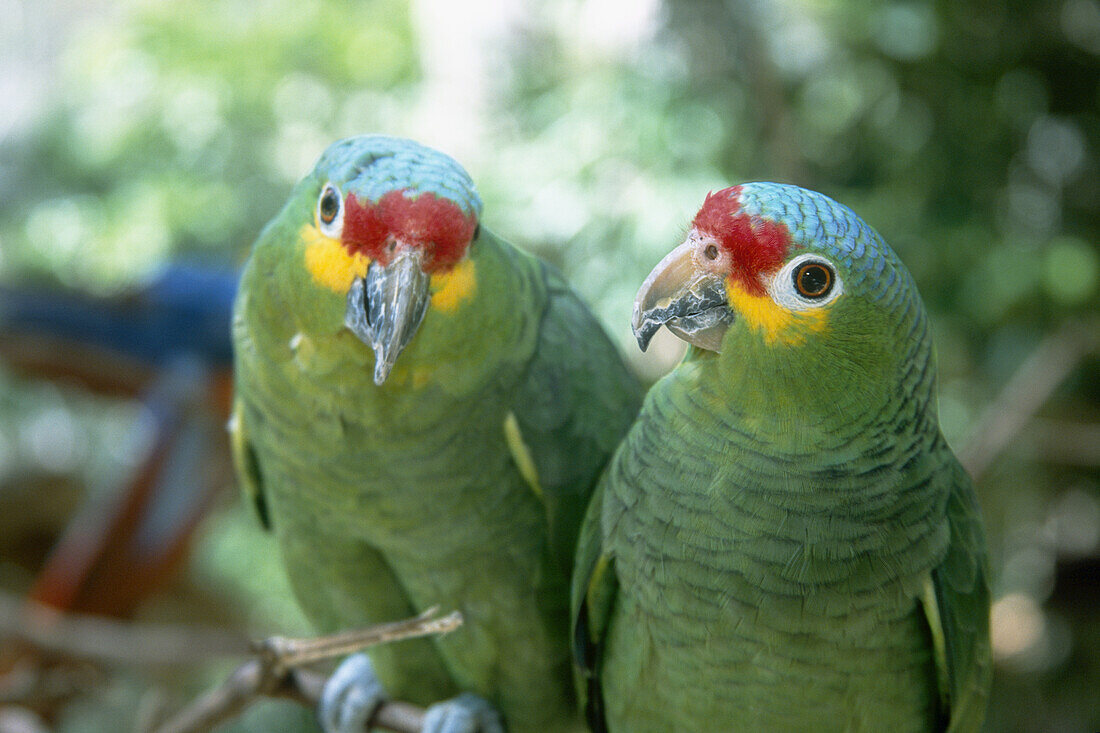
column 965, row 132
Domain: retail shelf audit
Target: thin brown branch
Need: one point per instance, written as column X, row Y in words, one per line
column 247, row 683
column 274, row 673
column 257, row 678
column 1025, row 392
column 285, row 652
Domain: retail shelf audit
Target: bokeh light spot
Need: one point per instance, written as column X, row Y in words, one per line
column 1070, row 270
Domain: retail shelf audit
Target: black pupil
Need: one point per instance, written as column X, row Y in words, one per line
column 330, row 204
column 813, row 280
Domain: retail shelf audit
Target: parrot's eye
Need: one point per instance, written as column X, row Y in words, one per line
column 330, row 211
column 807, row 281
column 813, row 280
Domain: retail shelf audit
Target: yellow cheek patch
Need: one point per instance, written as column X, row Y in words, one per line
column 450, row 289
column 776, row 322
column 329, row 263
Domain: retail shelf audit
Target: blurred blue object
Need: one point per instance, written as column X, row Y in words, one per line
column 168, row 345
column 184, row 310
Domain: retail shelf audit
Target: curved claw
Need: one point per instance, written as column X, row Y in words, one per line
column 466, row 713
column 350, row 697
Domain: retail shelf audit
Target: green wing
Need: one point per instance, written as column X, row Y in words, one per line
column 960, row 617
column 595, row 586
column 575, row 403
column 573, row 406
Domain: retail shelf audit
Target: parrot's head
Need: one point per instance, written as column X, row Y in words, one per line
column 788, row 283
column 391, row 229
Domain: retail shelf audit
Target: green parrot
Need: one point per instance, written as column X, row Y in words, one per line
column 784, row 541
column 422, row 412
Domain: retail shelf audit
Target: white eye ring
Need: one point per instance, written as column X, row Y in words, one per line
column 785, row 291
column 331, row 223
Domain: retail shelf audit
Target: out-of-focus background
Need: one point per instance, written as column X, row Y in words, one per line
column 143, row 145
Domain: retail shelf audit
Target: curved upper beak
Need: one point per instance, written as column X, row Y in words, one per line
column 685, row 295
column 385, row 308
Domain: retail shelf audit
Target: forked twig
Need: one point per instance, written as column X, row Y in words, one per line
column 286, row 652
column 275, row 673
column 256, row 679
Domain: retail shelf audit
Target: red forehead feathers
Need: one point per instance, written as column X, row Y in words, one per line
column 427, row 221
column 755, row 244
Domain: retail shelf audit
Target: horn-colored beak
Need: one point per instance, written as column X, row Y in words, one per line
column 385, row 308
column 685, row 295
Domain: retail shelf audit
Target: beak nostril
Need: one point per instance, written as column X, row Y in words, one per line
column 686, row 293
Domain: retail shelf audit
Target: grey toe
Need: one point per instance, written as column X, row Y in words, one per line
column 350, row 696
column 466, row 713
